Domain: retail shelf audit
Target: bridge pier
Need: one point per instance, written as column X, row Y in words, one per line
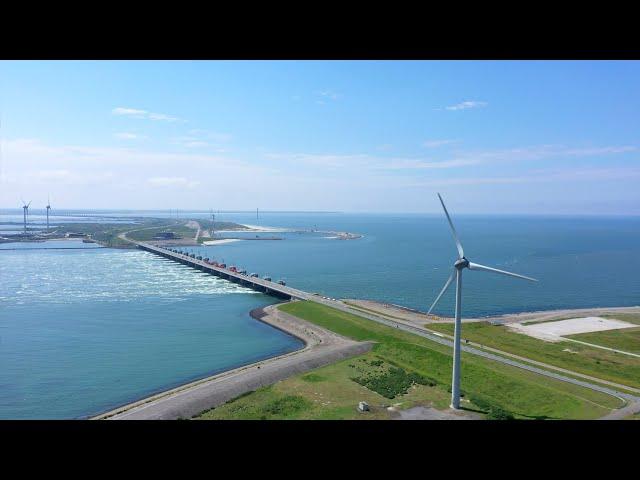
column 229, row 276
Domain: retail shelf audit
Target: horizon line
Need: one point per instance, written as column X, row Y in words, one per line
column 367, row 212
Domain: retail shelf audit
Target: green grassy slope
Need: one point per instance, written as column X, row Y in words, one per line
column 331, row 392
column 593, row 361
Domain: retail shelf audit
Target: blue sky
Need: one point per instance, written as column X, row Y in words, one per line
column 493, row 137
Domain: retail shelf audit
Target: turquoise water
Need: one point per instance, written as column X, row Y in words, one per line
column 82, row 331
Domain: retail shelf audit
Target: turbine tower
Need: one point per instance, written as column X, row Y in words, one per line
column 25, row 212
column 48, row 208
column 460, row 264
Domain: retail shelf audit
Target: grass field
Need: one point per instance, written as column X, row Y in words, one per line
column 627, row 339
column 599, row 363
column 331, row 392
column 327, row 393
column 148, row 233
column 625, row 317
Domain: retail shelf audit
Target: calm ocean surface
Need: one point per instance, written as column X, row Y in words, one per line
column 85, row 330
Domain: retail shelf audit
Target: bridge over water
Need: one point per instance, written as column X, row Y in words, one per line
column 255, row 283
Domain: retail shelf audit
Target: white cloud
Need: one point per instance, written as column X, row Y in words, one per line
column 57, row 177
column 540, row 152
column 538, row 176
column 201, row 138
column 321, row 160
column 129, row 111
column 583, row 152
column 363, row 162
column 467, row 104
column 438, row 143
column 196, row 144
column 163, row 116
column 129, row 136
column 172, row 182
column 136, row 113
column 329, row 94
column 400, row 164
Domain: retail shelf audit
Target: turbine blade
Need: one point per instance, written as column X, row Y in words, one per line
column 444, row 289
column 477, row 266
column 453, row 230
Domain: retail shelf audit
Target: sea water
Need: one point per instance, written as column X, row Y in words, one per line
column 406, row 259
column 85, row 330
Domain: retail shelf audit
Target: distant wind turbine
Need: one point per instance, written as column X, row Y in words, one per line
column 48, row 208
column 460, row 264
column 25, row 212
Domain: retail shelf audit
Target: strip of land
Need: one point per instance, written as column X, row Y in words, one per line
column 407, row 369
column 327, row 345
column 420, row 318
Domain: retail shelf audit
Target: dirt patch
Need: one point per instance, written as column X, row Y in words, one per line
column 428, row 413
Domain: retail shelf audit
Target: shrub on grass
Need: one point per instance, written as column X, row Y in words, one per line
column 286, row 405
column 493, row 411
column 313, row 377
column 497, row 413
column 394, row 382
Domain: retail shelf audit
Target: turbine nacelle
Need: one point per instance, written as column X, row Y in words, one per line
column 461, row 263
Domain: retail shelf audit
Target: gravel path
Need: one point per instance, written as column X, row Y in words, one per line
column 623, row 413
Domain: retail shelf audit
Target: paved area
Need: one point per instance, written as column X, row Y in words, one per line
column 548, row 315
column 554, row 331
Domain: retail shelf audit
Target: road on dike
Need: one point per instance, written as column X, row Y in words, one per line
column 633, row 400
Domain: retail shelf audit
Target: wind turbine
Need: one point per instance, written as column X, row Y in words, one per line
column 460, row 264
column 25, row 212
column 48, row 208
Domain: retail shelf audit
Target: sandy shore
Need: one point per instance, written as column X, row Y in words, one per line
column 221, row 241
column 258, row 228
column 322, row 347
column 255, row 228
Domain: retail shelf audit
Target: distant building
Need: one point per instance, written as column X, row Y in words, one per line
column 165, row 236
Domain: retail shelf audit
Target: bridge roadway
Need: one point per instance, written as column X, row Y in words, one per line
column 632, row 401
column 256, row 283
